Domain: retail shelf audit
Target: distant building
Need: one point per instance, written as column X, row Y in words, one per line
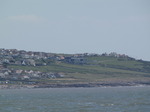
column 74, row 60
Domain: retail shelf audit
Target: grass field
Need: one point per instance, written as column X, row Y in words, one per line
column 97, row 69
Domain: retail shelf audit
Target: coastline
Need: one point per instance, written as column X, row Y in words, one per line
column 77, row 85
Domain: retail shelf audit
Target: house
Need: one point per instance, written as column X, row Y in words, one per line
column 61, row 57
column 23, row 62
column 5, row 61
column 25, row 56
column 30, row 62
column 1, row 66
column 2, row 75
column 18, row 62
column 75, row 60
column 35, row 75
column 25, row 77
column 19, row 71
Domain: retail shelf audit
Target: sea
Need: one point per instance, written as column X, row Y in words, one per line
column 99, row 99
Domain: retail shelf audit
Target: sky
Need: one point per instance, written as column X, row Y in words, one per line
column 77, row 26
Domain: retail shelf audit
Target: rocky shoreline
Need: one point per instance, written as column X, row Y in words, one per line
column 84, row 85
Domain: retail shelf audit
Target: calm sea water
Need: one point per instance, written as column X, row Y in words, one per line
column 110, row 99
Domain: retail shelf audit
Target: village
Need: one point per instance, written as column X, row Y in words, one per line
column 21, row 57
column 30, row 58
column 11, row 57
column 26, row 76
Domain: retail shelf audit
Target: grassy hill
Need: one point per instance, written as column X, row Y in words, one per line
column 96, row 69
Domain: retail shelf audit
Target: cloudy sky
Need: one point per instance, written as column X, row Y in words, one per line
column 77, row 26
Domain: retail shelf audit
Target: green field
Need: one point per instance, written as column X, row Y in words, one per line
column 99, row 68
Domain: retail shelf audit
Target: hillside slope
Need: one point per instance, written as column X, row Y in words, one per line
column 65, row 69
column 97, row 69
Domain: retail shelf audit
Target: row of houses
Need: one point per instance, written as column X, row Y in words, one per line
column 9, row 53
column 16, row 57
column 75, row 60
column 24, row 54
column 26, row 58
column 13, row 75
